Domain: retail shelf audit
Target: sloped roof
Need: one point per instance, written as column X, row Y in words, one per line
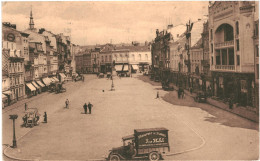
column 196, row 31
column 198, row 44
column 177, row 31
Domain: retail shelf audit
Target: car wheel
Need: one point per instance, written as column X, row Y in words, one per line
column 154, row 156
column 114, row 158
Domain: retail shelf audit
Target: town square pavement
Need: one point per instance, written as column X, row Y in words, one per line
column 195, row 133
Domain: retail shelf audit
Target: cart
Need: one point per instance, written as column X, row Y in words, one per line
column 31, row 117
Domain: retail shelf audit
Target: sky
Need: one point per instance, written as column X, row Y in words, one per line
column 90, row 23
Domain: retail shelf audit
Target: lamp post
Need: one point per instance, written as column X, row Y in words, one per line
column 14, row 117
column 112, row 85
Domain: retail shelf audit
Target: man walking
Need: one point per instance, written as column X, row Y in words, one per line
column 45, row 117
column 25, row 106
column 85, row 106
column 89, row 107
column 67, row 103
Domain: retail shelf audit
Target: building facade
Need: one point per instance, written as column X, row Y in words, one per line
column 231, row 27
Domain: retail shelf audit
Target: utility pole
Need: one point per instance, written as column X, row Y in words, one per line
column 188, row 37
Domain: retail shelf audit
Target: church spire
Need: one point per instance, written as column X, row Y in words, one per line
column 31, row 24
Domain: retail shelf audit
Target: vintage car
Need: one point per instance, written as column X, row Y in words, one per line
column 59, row 88
column 31, row 117
column 143, row 144
column 200, row 97
column 108, row 74
column 101, row 75
column 52, row 87
column 167, row 85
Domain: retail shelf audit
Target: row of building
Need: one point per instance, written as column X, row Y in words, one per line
column 218, row 54
column 114, row 59
column 32, row 59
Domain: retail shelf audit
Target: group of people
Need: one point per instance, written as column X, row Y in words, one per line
column 87, row 107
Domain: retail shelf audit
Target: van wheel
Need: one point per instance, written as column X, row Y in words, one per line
column 154, row 156
column 114, row 158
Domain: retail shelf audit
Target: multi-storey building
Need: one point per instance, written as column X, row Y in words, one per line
column 95, row 60
column 105, row 58
column 79, row 62
column 231, row 27
column 13, row 63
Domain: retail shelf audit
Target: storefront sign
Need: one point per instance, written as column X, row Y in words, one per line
column 10, row 37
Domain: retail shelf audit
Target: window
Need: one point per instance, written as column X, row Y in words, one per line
column 257, row 50
column 256, row 29
column 212, row 60
column 238, row 59
column 237, row 28
column 211, row 48
column 211, row 34
column 237, row 45
column 257, row 71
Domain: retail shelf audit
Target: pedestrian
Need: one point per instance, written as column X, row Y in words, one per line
column 25, row 106
column 190, row 90
column 89, row 107
column 67, row 103
column 85, row 106
column 45, row 117
column 157, row 96
column 179, row 93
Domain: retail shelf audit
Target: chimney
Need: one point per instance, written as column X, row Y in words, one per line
column 41, row 30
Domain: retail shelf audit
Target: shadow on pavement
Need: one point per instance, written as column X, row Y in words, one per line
column 218, row 115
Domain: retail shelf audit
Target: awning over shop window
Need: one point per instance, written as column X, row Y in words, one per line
column 56, row 79
column 46, row 81
column 7, row 92
column 135, row 67
column 30, row 86
column 40, row 84
column 119, row 67
column 62, row 75
column 4, row 97
column 52, row 80
column 125, row 68
column 35, row 85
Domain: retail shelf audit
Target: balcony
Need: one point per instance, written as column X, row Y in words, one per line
column 224, row 44
column 225, row 67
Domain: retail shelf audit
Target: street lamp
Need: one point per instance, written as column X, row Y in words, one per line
column 112, row 85
column 13, row 117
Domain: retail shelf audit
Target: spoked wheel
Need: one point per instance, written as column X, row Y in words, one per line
column 154, row 156
column 114, row 158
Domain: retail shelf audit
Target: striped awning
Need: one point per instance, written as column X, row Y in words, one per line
column 56, row 79
column 46, row 81
column 35, row 85
column 30, row 86
column 40, row 83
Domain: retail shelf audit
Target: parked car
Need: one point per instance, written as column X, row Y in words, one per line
column 31, row 117
column 201, row 97
column 143, row 144
column 101, row 75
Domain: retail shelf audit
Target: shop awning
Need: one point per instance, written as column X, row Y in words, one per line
column 35, row 85
column 135, row 67
column 7, row 92
column 52, row 80
column 62, row 75
column 119, row 67
column 46, row 81
column 30, row 86
column 56, row 79
column 40, row 83
column 4, row 97
column 125, row 68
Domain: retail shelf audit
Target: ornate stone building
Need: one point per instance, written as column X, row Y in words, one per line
column 231, row 28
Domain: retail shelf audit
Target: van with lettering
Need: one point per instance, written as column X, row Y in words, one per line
column 143, row 144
